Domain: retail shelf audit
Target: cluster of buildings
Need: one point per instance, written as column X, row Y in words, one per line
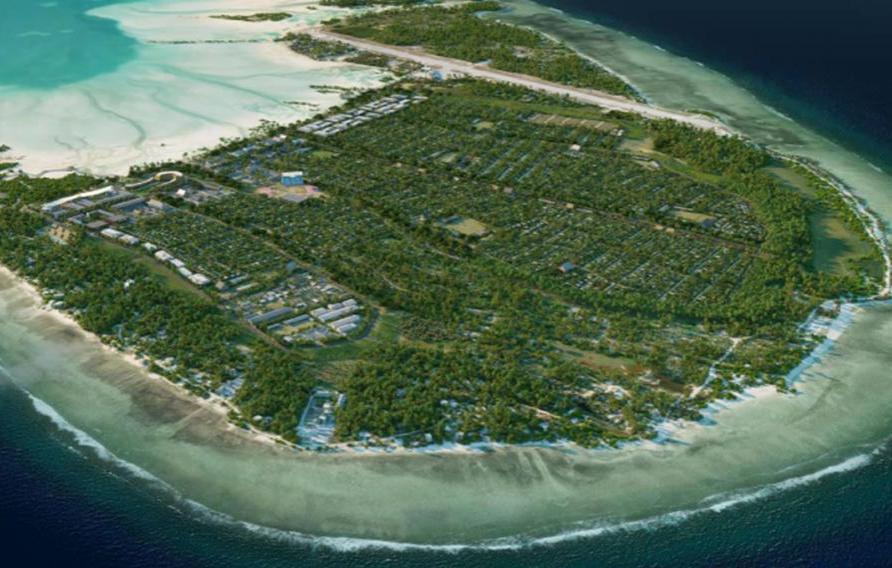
column 304, row 308
column 360, row 115
column 230, row 388
column 178, row 265
column 317, row 422
column 198, row 195
column 163, row 256
column 246, row 164
column 331, row 321
column 98, row 208
column 116, row 235
column 333, row 315
column 334, row 321
column 102, row 208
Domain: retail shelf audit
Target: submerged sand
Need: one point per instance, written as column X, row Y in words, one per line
column 839, row 416
column 756, row 447
column 174, row 97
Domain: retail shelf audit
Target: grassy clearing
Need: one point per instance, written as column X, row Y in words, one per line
column 168, row 276
column 465, row 226
column 558, row 120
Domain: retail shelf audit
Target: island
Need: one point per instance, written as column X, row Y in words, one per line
column 259, row 17
column 503, row 244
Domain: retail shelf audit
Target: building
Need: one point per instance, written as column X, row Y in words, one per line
column 567, row 267
column 53, row 206
column 97, row 225
column 199, row 279
column 111, row 234
column 130, row 205
column 272, row 315
column 291, row 179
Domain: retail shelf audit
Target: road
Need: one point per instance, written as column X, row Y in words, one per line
column 455, row 66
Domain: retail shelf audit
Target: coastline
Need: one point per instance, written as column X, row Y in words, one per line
column 871, row 224
column 214, row 404
column 91, row 126
column 176, row 392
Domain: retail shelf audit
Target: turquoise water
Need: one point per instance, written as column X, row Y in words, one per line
column 809, row 483
column 49, row 43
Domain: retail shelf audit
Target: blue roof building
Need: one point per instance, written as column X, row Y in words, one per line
column 290, row 179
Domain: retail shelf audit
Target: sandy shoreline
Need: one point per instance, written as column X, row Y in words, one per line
column 420, row 497
column 281, row 53
column 174, row 98
column 214, row 404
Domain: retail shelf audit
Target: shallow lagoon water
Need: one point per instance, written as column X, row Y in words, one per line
column 756, row 448
column 48, row 44
column 144, row 95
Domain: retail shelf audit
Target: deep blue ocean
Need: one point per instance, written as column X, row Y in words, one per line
column 826, row 64
column 61, row 507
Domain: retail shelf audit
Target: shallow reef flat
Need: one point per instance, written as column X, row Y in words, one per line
column 174, row 96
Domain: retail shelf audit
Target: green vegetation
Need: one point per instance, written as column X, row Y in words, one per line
column 364, row 3
column 260, row 17
column 459, row 33
column 522, row 267
column 323, row 50
column 128, row 305
column 457, row 216
column 31, row 192
column 318, row 49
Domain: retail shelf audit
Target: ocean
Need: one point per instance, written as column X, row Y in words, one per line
column 50, row 43
column 821, row 62
column 59, row 506
column 63, row 501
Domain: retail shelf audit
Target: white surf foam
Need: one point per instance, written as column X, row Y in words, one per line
column 716, row 504
column 85, row 440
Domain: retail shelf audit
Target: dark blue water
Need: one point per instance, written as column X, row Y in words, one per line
column 825, row 63
column 62, row 506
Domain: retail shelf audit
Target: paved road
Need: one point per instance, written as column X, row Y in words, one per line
column 454, row 66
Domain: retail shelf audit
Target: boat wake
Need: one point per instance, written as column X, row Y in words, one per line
column 713, row 505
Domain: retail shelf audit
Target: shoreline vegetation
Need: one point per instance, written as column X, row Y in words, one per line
column 472, row 332
column 259, row 17
column 457, row 32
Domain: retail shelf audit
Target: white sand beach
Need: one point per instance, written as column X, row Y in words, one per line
column 175, row 97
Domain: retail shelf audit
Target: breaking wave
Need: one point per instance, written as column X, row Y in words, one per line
column 716, row 504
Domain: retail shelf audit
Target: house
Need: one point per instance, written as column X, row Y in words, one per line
column 199, row 279
column 130, row 205
column 567, row 267
column 111, row 234
column 290, row 179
